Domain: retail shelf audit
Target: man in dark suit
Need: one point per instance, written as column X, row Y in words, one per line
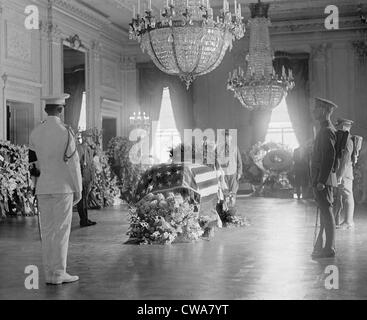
column 324, row 177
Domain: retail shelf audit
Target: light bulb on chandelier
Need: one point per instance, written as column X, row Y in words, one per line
column 260, row 87
column 186, row 39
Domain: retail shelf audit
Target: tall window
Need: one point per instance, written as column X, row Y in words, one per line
column 167, row 135
column 280, row 127
column 82, row 126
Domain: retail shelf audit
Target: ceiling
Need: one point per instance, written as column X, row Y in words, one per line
column 119, row 12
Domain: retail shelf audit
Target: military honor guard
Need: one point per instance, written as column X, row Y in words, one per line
column 58, row 187
column 86, row 155
column 345, row 198
column 324, row 178
column 233, row 170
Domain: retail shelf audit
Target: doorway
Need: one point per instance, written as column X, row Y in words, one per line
column 75, row 85
column 109, row 129
column 20, row 122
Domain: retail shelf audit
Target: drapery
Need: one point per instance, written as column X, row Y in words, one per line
column 260, row 120
column 74, row 84
column 182, row 105
column 150, row 90
column 298, row 98
column 152, row 82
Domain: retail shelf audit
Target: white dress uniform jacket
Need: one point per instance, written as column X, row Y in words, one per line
column 49, row 141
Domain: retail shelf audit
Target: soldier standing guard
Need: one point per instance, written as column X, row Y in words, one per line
column 233, row 170
column 86, row 155
column 58, row 187
column 345, row 198
column 324, row 177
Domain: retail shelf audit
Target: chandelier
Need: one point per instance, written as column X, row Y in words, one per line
column 185, row 39
column 260, row 88
column 139, row 121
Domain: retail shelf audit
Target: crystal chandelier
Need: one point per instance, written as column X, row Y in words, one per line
column 185, row 39
column 140, row 120
column 260, row 87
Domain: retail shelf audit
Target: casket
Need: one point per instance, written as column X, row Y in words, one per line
column 199, row 182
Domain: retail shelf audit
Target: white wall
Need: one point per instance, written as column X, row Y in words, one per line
column 32, row 61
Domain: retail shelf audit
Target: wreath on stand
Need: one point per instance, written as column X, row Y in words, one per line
column 275, row 160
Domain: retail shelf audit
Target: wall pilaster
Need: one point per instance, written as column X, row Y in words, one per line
column 94, row 118
column 130, row 85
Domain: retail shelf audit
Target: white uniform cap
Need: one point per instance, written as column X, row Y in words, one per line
column 56, row 99
column 323, row 103
column 343, row 121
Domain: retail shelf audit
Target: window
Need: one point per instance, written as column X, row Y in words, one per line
column 280, row 127
column 82, row 126
column 167, row 135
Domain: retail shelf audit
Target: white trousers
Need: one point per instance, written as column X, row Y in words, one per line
column 55, row 221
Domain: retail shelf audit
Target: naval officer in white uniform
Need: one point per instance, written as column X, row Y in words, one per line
column 58, row 187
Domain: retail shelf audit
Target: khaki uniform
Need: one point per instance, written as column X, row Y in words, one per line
column 88, row 177
column 322, row 171
column 58, row 181
column 345, row 189
column 232, row 170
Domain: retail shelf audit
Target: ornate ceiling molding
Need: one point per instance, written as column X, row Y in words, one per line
column 90, row 17
column 71, row 7
column 314, row 25
column 49, row 28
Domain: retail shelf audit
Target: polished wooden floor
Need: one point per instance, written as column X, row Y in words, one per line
column 269, row 260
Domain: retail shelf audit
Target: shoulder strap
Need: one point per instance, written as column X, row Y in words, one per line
column 70, row 136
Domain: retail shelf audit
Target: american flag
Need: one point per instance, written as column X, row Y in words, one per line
column 199, row 181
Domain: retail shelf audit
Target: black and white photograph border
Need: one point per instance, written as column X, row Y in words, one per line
column 188, row 152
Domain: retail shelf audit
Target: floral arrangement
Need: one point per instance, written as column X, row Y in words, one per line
column 16, row 187
column 230, row 220
column 127, row 173
column 360, row 177
column 272, row 157
column 104, row 190
column 164, row 219
column 276, row 162
column 228, row 214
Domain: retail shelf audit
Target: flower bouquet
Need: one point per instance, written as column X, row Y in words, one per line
column 15, row 184
column 128, row 174
column 231, row 220
column 164, row 219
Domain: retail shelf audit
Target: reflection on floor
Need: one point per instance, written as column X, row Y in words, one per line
column 269, row 260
